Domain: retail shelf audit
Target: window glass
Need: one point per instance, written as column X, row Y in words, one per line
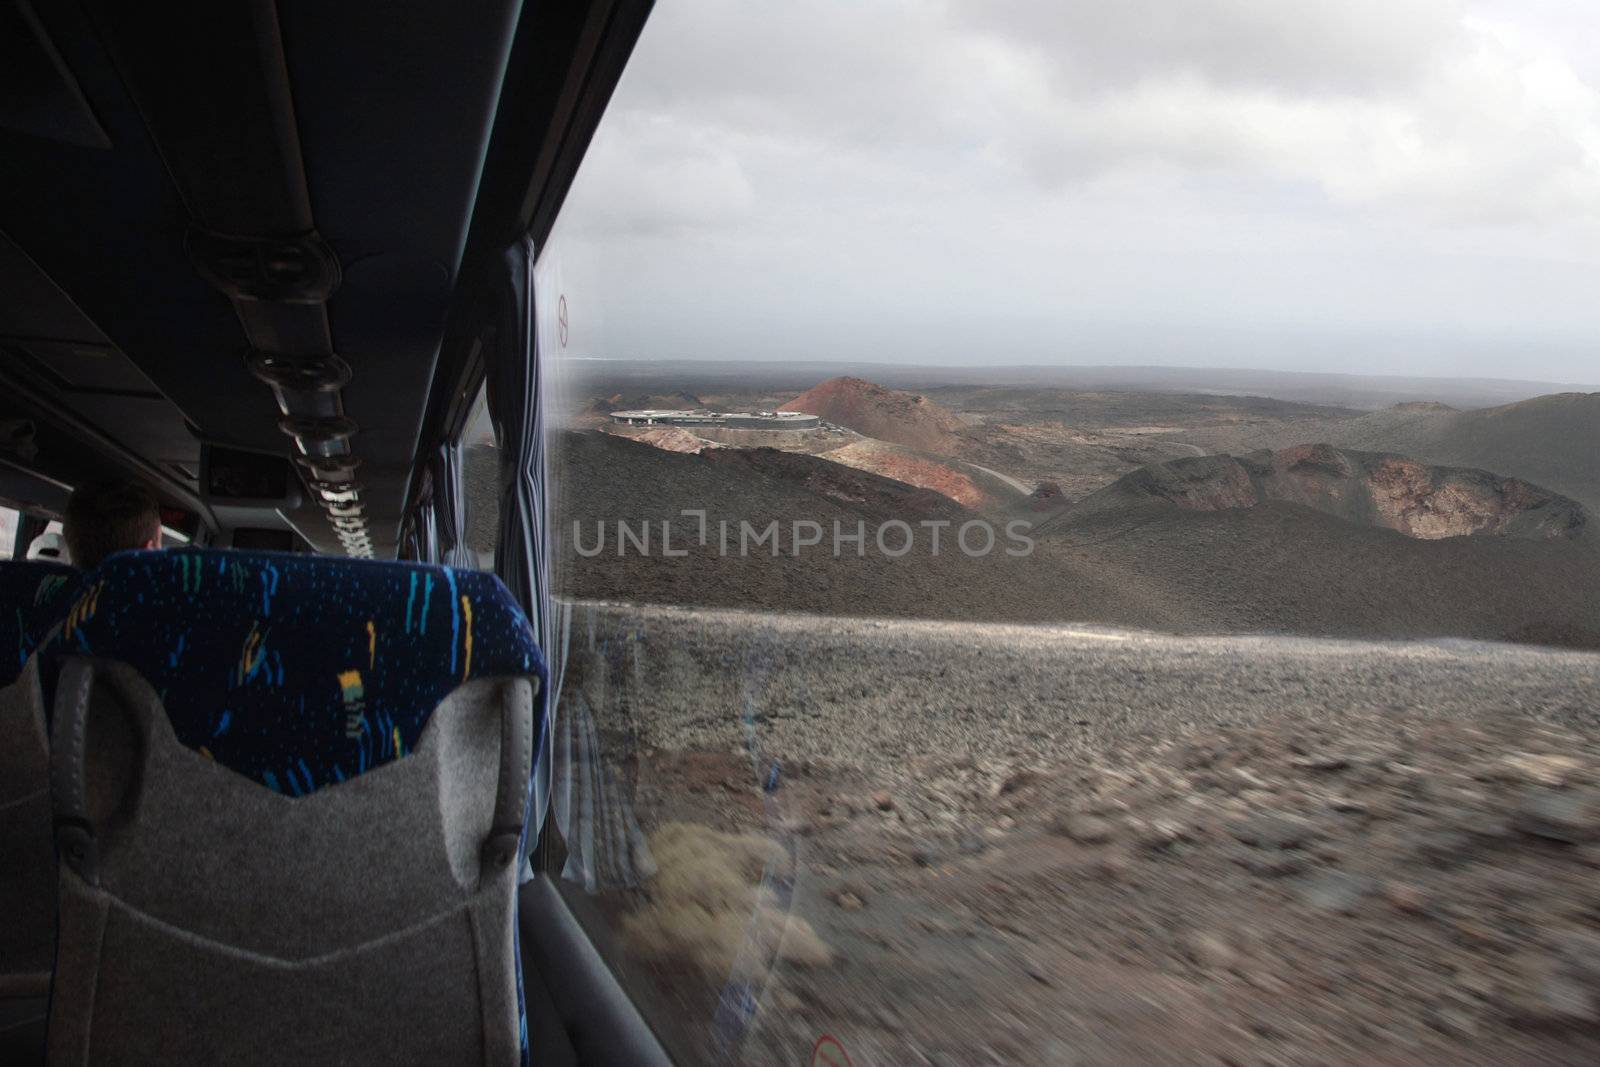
column 480, row 482
column 8, row 532
column 1077, row 530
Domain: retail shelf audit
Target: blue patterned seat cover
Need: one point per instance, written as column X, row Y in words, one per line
column 298, row 671
column 34, row 594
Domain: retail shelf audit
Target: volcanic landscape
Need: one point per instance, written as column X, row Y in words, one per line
column 1279, row 745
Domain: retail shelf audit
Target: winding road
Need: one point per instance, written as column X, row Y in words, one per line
column 1019, row 486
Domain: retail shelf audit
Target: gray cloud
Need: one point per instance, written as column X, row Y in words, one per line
column 1414, row 184
column 1360, row 47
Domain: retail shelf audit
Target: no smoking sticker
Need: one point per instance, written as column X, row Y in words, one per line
column 827, row 1052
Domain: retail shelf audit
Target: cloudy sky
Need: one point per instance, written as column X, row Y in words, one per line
column 1409, row 186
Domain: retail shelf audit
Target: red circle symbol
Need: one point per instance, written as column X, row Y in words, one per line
column 561, row 319
column 827, row 1052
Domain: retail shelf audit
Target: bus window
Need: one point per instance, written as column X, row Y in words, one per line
column 1075, row 547
column 480, row 482
column 8, row 533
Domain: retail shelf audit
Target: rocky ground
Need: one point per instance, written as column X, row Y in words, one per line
column 957, row 844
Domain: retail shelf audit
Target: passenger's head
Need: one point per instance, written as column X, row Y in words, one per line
column 105, row 517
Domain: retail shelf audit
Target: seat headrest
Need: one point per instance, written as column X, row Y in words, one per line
column 50, row 547
column 298, row 671
column 33, row 594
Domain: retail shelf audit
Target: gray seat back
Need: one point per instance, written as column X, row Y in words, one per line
column 33, row 597
column 27, row 871
column 288, row 795
column 207, row 919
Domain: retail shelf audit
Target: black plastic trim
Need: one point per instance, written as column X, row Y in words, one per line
column 565, row 63
column 93, row 437
column 599, row 1021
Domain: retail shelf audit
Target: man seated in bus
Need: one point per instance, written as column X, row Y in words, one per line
column 110, row 516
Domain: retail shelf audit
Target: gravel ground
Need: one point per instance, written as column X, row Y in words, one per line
column 943, row 843
column 875, row 693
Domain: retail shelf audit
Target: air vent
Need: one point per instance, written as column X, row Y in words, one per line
column 300, row 270
column 300, row 374
column 328, row 468
column 316, row 433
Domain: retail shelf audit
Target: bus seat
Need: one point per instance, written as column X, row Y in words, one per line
column 32, row 597
column 289, row 797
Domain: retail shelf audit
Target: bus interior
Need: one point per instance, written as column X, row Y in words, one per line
column 715, row 532
column 261, row 258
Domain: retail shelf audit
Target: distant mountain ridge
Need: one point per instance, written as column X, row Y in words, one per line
column 1366, row 391
column 1278, row 566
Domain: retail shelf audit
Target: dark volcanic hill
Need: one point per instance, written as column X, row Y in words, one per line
column 1371, row 488
column 1552, row 441
column 1134, row 559
column 886, row 414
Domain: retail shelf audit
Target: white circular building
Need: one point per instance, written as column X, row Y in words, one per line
column 741, row 420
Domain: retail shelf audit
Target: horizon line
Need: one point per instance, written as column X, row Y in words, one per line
column 1583, row 386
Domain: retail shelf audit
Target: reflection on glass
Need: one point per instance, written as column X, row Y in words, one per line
column 480, row 482
column 1078, row 538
